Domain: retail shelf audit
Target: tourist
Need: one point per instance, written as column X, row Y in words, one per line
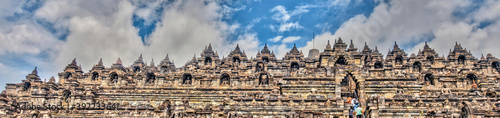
column 359, row 112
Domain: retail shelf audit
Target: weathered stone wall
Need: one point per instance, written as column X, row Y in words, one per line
column 419, row 85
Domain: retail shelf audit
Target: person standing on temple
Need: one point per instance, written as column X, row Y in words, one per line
column 359, row 112
column 351, row 114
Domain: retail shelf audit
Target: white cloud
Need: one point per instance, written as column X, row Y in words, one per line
column 279, row 50
column 283, row 16
column 281, row 13
column 291, row 39
column 103, row 29
column 276, row 39
column 289, row 26
column 26, row 39
column 410, row 22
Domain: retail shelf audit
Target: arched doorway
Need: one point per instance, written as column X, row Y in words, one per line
column 417, row 66
column 430, row 59
column 208, row 61
column 341, row 61
column 150, row 78
column 225, row 79
column 68, row 75
column 137, row 69
column 113, row 77
column 378, row 65
column 265, row 59
column 263, row 79
column 26, row 86
column 461, row 59
column 429, row 79
column 399, row 59
column 496, row 65
column 95, row 76
column 187, row 79
column 472, row 78
column 366, row 60
column 236, row 59
column 294, row 66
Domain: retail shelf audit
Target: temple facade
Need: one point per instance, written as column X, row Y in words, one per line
column 318, row 86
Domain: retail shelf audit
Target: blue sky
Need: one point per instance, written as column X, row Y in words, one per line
column 50, row 33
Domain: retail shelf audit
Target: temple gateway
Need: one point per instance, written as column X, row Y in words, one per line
column 318, row 86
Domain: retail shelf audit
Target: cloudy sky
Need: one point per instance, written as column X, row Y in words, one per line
column 50, row 33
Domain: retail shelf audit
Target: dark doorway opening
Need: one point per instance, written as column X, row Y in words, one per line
column 378, row 64
column 150, row 78
column 113, row 77
column 417, row 66
column 187, row 78
column 225, row 79
column 208, row 61
column 341, row 61
column 461, row 59
column 429, row 78
column 95, row 76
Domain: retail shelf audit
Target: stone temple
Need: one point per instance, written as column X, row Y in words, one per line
column 318, row 86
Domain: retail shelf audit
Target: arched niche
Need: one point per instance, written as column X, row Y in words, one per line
column 461, row 59
column 26, row 86
column 366, row 60
column 208, row 61
column 95, row 76
column 294, row 66
column 263, row 79
column 472, row 78
column 496, row 65
column 378, row 65
column 68, row 75
column 151, row 77
column 399, row 60
column 136, row 69
column 113, row 77
column 341, row 60
column 225, row 79
column 187, row 79
column 430, row 59
column 429, row 78
column 417, row 66
column 236, row 59
column 265, row 59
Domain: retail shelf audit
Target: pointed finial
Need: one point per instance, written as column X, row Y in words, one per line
column 166, row 57
column 351, row 45
column 52, row 79
column 35, row 72
column 140, row 57
column 100, row 62
column 73, row 62
column 328, row 42
column 152, row 62
column 119, row 61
